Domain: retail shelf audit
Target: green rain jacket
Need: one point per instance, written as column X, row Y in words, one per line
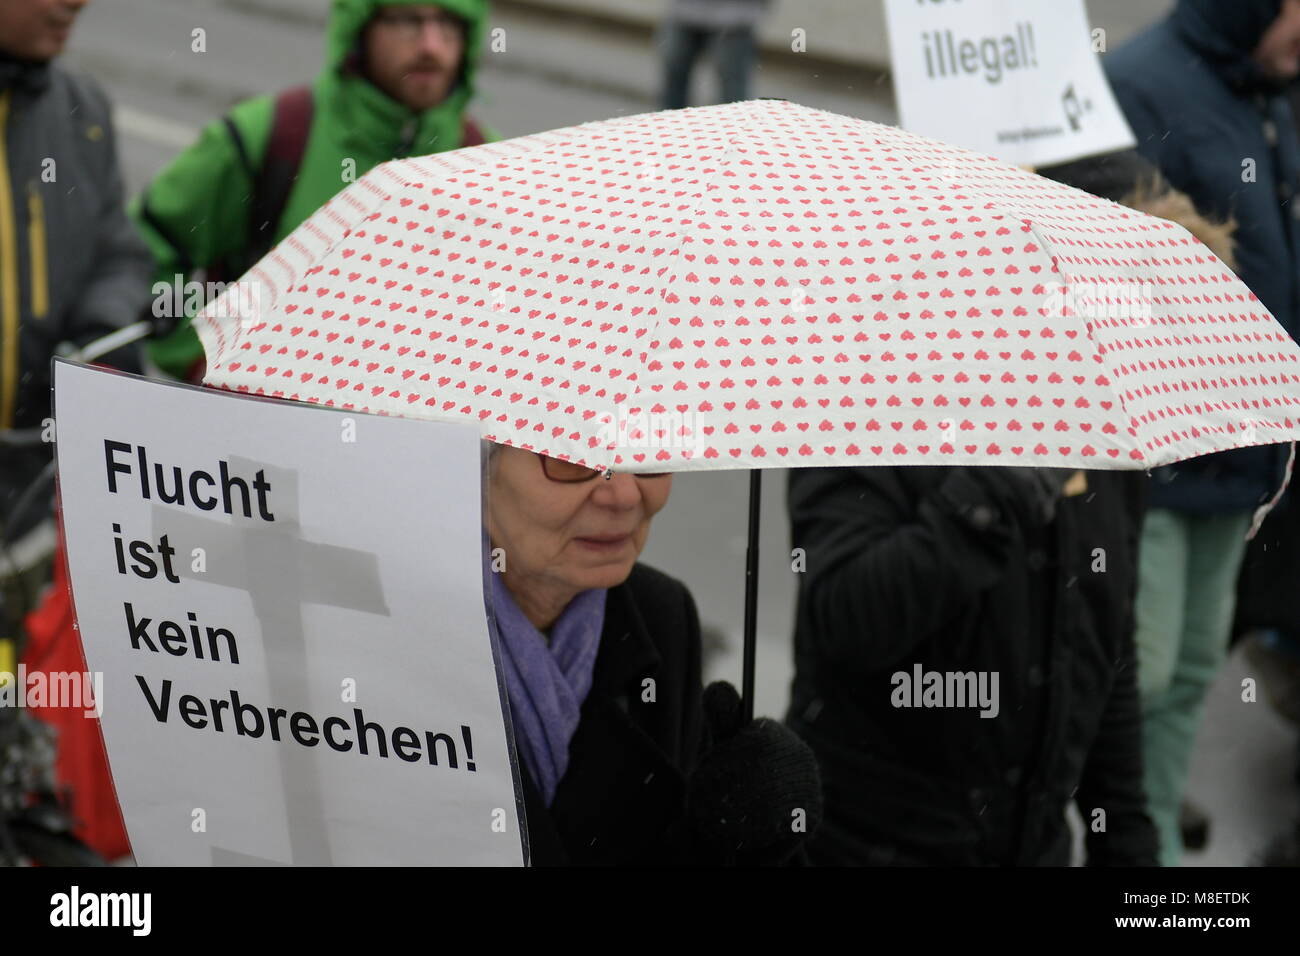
column 196, row 212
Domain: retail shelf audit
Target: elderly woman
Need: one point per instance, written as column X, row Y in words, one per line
column 623, row 758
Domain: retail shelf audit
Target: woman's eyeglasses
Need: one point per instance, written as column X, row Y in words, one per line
column 569, row 472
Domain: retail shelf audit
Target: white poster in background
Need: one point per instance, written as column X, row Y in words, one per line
column 286, row 603
column 1015, row 79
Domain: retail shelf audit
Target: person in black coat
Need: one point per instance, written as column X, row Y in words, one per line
column 1194, row 531
column 623, row 758
column 965, row 664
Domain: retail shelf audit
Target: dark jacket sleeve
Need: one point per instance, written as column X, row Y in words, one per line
column 1112, row 778
column 1112, row 774
column 118, row 290
column 891, row 559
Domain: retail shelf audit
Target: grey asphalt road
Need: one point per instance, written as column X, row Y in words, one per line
column 554, row 74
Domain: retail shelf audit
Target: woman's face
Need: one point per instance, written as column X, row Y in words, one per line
column 568, row 537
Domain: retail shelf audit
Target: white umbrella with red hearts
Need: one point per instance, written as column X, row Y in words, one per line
column 760, row 285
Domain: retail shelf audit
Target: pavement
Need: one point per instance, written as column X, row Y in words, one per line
column 847, row 33
column 850, row 33
column 571, row 61
column 598, row 57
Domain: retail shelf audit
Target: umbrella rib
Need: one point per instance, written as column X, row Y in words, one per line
column 1112, row 377
column 996, row 207
column 671, row 279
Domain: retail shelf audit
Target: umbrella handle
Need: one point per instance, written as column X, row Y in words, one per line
column 751, row 595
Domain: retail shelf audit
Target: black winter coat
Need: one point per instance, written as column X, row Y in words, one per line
column 622, row 798
column 923, row 566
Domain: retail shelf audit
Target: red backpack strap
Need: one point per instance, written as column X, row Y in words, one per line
column 290, row 126
column 471, row 135
column 272, row 183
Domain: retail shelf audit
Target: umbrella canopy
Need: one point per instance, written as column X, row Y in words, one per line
column 760, row 284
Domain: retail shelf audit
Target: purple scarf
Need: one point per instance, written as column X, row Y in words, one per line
column 547, row 685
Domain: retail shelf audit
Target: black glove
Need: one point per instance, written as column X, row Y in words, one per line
column 1032, row 491
column 756, row 797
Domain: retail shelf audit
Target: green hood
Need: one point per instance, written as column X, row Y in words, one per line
column 375, row 120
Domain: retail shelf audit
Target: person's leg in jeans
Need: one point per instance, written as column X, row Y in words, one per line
column 680, row 46
column 1215, row 546
column 1161, row 600
column 734, row 52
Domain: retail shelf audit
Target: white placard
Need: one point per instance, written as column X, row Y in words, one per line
column 1015, row 79
column 294, row 647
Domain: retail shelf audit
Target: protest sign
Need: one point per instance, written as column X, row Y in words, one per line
column 286, row 604
column 1015, row 79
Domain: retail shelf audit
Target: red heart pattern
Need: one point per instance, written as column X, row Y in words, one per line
column 790, row 284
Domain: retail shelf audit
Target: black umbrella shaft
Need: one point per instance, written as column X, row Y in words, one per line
column 751, row 594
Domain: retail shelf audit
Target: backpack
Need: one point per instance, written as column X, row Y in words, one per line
column 274, row 179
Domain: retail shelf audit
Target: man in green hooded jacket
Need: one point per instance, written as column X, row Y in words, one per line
column 397, row 79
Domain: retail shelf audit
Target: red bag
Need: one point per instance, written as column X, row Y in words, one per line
column 82, row 764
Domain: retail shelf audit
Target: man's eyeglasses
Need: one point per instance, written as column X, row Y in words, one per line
column 410, row 24
column 568, row 472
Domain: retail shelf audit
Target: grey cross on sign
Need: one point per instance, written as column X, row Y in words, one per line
column 281, row 573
